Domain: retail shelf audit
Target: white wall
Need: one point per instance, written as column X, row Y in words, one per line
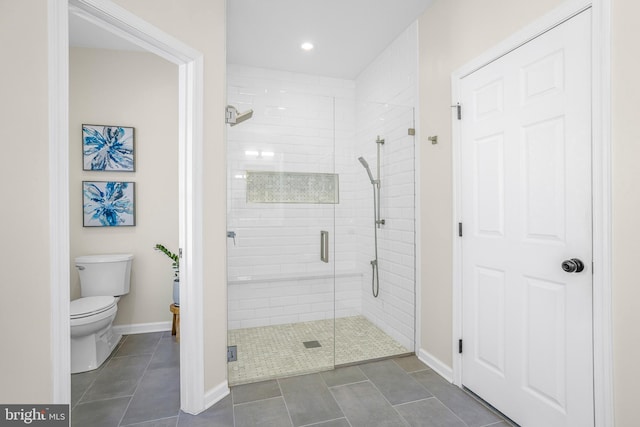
column 25, row 363
column 626, row 205
column 138, row 90
column 386, row 96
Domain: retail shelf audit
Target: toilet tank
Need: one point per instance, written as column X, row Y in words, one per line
column 104, row 275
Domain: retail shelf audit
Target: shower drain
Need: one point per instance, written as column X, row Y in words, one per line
column 311, row 344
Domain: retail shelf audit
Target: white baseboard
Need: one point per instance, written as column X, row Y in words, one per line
column 142, row 328
column 436, row 364
column 216, row 394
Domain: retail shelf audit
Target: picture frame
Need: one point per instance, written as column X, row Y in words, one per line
column 108, row 204
column 108, row 148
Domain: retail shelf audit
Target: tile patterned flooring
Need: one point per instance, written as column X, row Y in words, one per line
column 138, row 383
column 277, row 351
column 138, row 386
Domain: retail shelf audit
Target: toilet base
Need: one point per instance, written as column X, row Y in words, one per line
column 90, row 351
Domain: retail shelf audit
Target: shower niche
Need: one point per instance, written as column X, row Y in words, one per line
column 292, row 187
column 301, row 209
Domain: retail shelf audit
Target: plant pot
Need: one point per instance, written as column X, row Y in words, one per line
column 176, row 292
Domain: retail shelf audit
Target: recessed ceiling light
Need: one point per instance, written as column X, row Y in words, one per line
column 306, row 46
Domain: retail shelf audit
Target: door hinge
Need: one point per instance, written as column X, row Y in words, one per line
column 458, row 108
column 460, row 346
column 460, row 229
column 232, row 353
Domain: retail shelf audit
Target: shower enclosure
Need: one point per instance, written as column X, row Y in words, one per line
column 300, row 237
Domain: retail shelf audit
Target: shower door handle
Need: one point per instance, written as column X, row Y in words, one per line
column 324, row 246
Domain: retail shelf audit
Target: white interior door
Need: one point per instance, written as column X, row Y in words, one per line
column 526, row 208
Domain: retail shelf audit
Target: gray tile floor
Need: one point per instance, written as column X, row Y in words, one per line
column 139, row 386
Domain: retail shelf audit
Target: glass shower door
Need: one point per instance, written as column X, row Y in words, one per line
column 282, row 193
column 375, row 276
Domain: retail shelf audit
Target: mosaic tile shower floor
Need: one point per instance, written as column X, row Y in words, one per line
column 270, row 352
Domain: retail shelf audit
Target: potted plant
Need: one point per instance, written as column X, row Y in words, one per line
column 176, row 271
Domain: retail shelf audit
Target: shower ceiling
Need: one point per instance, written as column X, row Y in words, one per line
column 347, row 34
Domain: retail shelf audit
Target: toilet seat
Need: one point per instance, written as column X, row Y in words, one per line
column 91, row 306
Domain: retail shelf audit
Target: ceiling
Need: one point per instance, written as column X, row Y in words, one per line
column 347, row 34
column 82, row 33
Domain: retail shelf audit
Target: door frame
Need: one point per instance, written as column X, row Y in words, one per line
column 126, row 25
column 601, row 189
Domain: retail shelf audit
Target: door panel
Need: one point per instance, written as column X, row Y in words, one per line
column 526, row 201
column 490, row 319
column 544, row 180
column 489, row 182
column 544, row 323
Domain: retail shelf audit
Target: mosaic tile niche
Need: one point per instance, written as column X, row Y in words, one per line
column 292, row 187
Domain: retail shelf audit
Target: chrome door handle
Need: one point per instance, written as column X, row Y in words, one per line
column 324, row 246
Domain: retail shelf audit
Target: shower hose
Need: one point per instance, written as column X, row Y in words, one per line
column 375, row 277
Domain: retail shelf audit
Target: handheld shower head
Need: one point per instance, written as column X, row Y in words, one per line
column 366, row 166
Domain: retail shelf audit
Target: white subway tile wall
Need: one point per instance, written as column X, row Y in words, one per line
column 304, row 123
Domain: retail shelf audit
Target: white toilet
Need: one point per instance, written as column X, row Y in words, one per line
column 103, row 279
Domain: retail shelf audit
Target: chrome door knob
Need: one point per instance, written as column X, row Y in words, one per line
column 573, row 265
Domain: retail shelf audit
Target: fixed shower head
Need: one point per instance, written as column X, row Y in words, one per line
column 366, row 166
column 233, row 118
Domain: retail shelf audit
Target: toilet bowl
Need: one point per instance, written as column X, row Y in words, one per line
column 92, row 337
column 103, row 278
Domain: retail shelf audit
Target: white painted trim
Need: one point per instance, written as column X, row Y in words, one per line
column 436, row 365
column 58, row 70
column 602, row 216
column 191, row 89
column 456, row 291
column 124, row 24
column 602, row 190
column 191, row 236
column 141, row 328
column 216, row 394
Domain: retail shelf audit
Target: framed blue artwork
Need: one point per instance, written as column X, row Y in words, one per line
column 108, row 148
column 108, row 204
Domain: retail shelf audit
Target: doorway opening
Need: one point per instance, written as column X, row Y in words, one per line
column 190, row 63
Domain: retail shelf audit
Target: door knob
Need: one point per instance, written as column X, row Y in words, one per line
column 573, row 265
